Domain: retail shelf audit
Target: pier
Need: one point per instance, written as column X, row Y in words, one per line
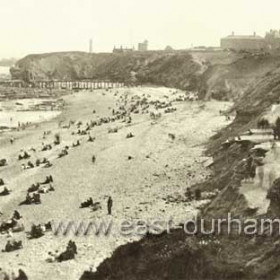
column 70, row 85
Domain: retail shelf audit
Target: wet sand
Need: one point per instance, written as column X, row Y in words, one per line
column 13, row 112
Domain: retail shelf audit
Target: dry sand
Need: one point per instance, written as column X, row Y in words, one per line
column 138, row 186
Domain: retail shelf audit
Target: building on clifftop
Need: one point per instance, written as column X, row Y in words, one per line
column 143, row 47
column 272, row 39
column 243, row 42
column 123, row 50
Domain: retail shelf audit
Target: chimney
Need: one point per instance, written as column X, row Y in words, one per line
column 90, row 46
column 232, row 33
column 254, row 34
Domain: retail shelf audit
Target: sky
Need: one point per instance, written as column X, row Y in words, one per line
column 40, row 26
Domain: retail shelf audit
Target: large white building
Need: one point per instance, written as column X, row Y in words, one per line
column 243, row 42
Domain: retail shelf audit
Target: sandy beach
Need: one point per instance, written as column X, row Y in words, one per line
column 139, row 173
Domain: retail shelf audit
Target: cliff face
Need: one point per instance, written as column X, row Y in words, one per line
column 220, row 75
column 149, row 67
column 228, row 164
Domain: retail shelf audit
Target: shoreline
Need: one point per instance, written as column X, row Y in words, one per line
column 16, row 116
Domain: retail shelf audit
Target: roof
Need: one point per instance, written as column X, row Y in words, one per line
column 255, row 138
column 258, row 131
column 244, row 37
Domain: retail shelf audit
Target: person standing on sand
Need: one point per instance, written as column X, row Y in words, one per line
column 109, row 205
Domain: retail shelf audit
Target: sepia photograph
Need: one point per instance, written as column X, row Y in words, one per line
column 139, row 140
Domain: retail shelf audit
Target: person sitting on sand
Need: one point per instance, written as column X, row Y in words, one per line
column 36, row 231
column 46, row 147
column 21, row 275
column 26, row 155
column 37, row 198
column 69, row 253
column 72, row 246
column 3, row 162
column 129, row 135
column 48, row 180
column 18, row 225
column 30, row 164
column 16, row 215
column 90, row 138
column 28, row 199
column 87, row 203
column 129, row 119
column 5, row 192
column 47, row 164
column 8, row 247
column 46, row 189
column 12, row 246
column 63, row 153
column 76, row 144
column 34, row 187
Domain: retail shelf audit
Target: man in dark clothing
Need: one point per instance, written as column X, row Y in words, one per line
column 109, row 205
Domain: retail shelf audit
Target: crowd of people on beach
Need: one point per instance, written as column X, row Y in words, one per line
column 125, row 108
